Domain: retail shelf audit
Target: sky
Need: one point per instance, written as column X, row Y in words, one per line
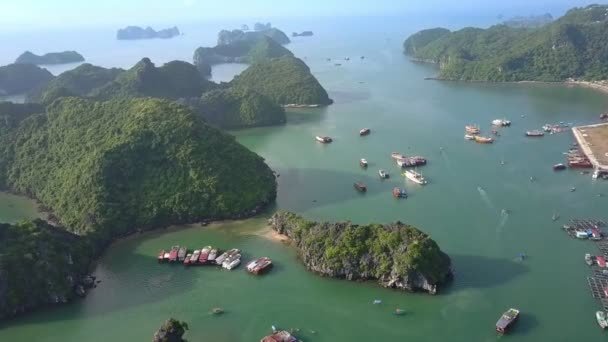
column 18, row 15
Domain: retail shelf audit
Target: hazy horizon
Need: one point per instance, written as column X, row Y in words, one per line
column 33, row 15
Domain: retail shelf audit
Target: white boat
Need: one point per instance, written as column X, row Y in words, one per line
column 415, row 177
column 251, row 265
column 220, row 259
column 212, row 255
column 601, row 319
column 469, row 137
column 382, row 174
column 195, row 255
column 364, row 131
column 581, row 235
column 588, row 259
column 232, row 262
column 397, row 155
column 363, row 162
column 501, row 122
column 323, row 140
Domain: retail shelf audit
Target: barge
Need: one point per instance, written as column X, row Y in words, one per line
column 259, row 266
column 507, row 320
column 323, row 140
column 360, row 186
column 173, row 253
column 535, row 133
column 415, row 177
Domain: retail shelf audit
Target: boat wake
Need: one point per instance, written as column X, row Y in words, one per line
column 504, row 217
column 486, row 199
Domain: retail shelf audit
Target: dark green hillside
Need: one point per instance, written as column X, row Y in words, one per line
column 39, row 264
column 286, row 80
column 238, row 51
column 173, row 80
column 107, row 168
column 76, row 82
column 574, row 46
column 50, row 58
column 227, row 108
column 21, row 78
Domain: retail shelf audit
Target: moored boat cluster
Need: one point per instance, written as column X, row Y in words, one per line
column 209, row 255
column 401, row 160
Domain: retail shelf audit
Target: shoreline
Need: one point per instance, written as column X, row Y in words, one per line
column 601, row 86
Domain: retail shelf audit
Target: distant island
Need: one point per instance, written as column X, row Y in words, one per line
column 50, row 58
column 302, row 34
column 573, row 47
column 136, row 32
column 532, row 21
column 220, row 105
column 396, row 255
column 239, row 46
column 21, row 78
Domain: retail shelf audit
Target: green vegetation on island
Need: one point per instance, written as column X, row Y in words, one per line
column 105, row 169
column 396, row 255
column 573, row 47
column 532, row 21
column 302, row 34
column 39, row 265
column 50, row 58
column 286, row 80
column 76, row 82
column 239, row 51
column 226, row 37
column 171, row 331
column 21, row 78
column 173, row 80
column 227, row 108
column 136, row 32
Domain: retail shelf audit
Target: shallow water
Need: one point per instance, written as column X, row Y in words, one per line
column 482, row 213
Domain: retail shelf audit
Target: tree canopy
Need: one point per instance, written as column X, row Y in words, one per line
column 574, row 46
column 286, row 80
column 107, row 168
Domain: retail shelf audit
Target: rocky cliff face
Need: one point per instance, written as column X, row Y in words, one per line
column 41, row 265
column 396, row 255
column 171, row 331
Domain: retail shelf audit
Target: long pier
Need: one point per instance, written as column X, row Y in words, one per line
column 593, row 141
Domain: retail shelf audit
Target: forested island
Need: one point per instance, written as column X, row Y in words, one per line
column 302, row 34
column 574, row 46
column 39, row 265
column 20, row 78
column 136, row 32
column 286, row 80
column 105, row 169
column 171, row 331
column 50, row 58
column 239, row 46
column 223, row 106
column 396, row 255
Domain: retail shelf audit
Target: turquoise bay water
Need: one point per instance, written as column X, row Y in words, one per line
column 460, row 208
